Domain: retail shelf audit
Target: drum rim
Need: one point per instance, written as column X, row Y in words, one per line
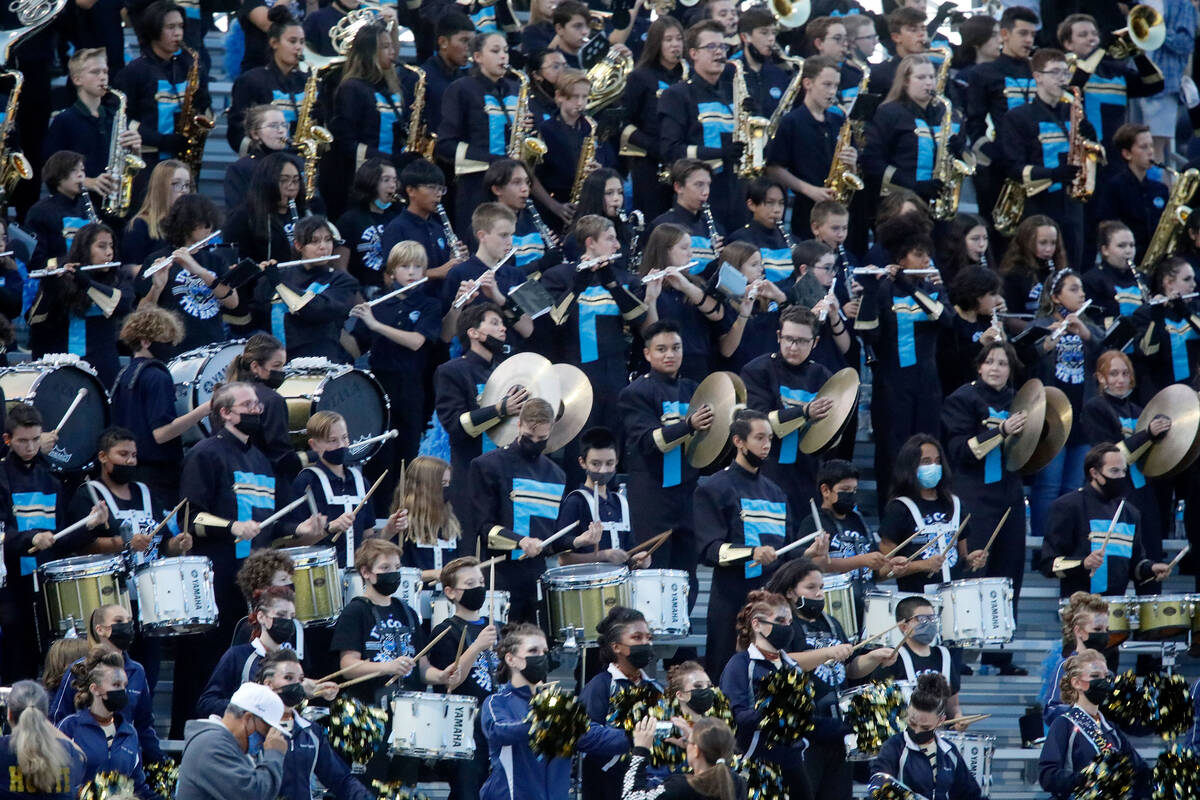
column 168, row 560
column 585, row 569
column 312, row 549
column 328, row 374
column 93, row 560
column 658, row 573
column 31, row 395
column 203, row 354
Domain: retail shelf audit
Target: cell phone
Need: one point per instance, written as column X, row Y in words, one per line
column 663, row 728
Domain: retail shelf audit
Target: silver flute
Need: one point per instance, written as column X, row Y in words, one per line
column 658, row 274
column 50, row 273
column 462, row 300
column 167, row 260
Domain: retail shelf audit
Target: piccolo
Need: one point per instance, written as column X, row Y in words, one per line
column 592, row 262
column 1062, row 329
column 883, row 271
column 657, row 274
column 1157, row 301
column 49, row 273
column 825, row 308
column 6, row 254
column 395, row 293
column 166, row 261
column 1013, row 315
column 298, row 262
column 462, row 300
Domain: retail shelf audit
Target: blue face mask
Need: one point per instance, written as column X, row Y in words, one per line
column 255, row 743
column 929, row 475
column 382, row 206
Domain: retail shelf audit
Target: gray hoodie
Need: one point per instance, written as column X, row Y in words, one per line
column 214, row 767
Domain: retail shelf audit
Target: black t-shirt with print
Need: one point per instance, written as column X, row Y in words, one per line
column 930, row 663
column 482, row 678
column 379, row 633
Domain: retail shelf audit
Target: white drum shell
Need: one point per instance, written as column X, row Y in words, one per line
column 426, row 725
column 662, row 597
column 977, row 612
column 411, row 589
column 175, row 596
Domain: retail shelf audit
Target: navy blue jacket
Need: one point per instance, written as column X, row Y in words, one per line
column 140, row 711
column 1068, row 750
column 309, row 755
column 12, row 782
column 238, row 665
column 738, row 681
column 123, row 755
column 902, row 758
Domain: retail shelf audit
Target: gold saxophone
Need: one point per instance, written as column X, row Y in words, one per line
column 192, row 126
column 948, row 169
column 14, row 166
column 747, row 128
column 789, row 94
column 943, row 72
column 1010, row 206
column 123, row 164
column 587, row 154
column 420, row 139
column 1082, row 153
column 524, row 144
column 1174, row 216
column 840, row 181
column 312, row 140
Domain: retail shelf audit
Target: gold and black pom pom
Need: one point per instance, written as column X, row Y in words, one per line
column 396, row 790
column 162, row 776
column 629, row 705
column 876, row 715
column 1108, row 777
column 356, row 730
column 1158, row 703
column 556, row 721
column 785, row 705
column 885, row 787
column 1175, row 774
column 1128, row 704
column 670, row 755
column 108, row 785
column 763, row 782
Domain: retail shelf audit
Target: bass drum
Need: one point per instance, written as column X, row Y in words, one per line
column 50, row 385
column 318, row 384
column 196, row 374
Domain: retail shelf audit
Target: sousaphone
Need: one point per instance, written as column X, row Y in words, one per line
column 1055, row 430
column 842, row 389
column 528, row 370
column 1178, row 448
column 726, row 393
column 1019, row 448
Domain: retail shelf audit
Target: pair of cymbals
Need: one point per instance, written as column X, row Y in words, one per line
column 1178, row 448
column 725, row 393
column 1048, row 421
column 565, row 387
column 842, row 388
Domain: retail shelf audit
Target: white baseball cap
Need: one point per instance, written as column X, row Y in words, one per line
column 262, row 703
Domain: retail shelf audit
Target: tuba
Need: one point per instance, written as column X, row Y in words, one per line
column 1170, row 223
column 191, row 125
column 14, row 166
column 123, row 164
column 1144, row 30
column 1082, row 153
column 420, row 139
column 524, row 144
column 747, row 128
column 587, row 154
column 948, row 169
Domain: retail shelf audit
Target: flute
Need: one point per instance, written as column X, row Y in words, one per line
column 395, row 293
column 1157, row 301
column 300, row 261
column 825, row 308
column 657, row 274
column 883, row 271
column 1062, row 329
column 166, row 261
column 588, row 263
column 49, row 273
column 462, row 300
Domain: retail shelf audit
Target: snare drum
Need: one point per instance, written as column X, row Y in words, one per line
column 442, row 608
column 410, row 591
column 579, row 596
column 317, row 384
column 839, row 602
column 662, row 597
column 72, row 588
column 1163, row 616
column 196, row 374
column 318, row 584
column 977, row 752
column 879, row 614
column 436, row 726
column 175, row 596
column 977, row 612
column 50, row 386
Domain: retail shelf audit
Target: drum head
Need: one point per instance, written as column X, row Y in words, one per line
column 358, row 397
column 52, row 394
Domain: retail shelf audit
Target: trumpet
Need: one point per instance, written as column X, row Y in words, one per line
column 462, row 299
column 167, row 260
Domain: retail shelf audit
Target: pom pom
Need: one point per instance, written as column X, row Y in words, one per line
column 556, row 721
column 1108, row 777
column 884, row 787
column 672, row 756
column 108, row 785
column 162, row 776
column 356, row 730
column 631, row 704
column 1175, row 775
column 874, row 715
column 763, row 781
column 396, row 790
column 1127, row 704
column 785, row 705
column 1158, row 703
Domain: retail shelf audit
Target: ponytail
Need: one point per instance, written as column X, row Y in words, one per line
column 759, row 603
column 715, row 741
column 39, row 747
column 259, row 348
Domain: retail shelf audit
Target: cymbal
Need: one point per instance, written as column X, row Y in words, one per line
column 842, row 388
column 719, row 391
column 535, row 373
column 1176, row 450
column 575, row 408
column 1019, row 448
column 1055, row 430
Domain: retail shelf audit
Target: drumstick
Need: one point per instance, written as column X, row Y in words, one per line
column 362, row 502
column 340, row 672
column 812, row 505
column 872, row 638
column 970, row 719
column 651, row 542
column 167, row 518
column 69, row 529
column 82, row 393
column 795, row 544
column 1186, row 548
column 901, row 546
column 359, row 679
column 996, row 532
column 423, row 652
column 281, row 512
column 659, row 543
column 462, row 641
column 187, row 520
column 554, row 537
column 492, row 592
column 957, row 534
column 1112, row 526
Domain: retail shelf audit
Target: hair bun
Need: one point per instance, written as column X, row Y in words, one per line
column 280, row 14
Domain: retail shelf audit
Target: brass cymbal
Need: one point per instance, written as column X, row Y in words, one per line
column 1055, row 430
column 719, row 391
column 575, row 408
column 1019, row 448
column 1176, row 450
column 533, row 372
column 842, row 389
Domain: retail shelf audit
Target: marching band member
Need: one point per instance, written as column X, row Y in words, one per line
column 107, row 739
column 740, row 518
column 448, row 63
column 853, row 546
column 828, row 38
column 192, row 284
column 169, row 180
column 816, row 289
column 603, row 194
column 260, row 366
column 625, row 644
column 544, row 68
column 1036, row 250
column 594, row 506
column 433, row 537
column 800, row 154
column 693, row 182
column 278, row 82
column 1169, row 326
column 923, row 761
column 658, row 420
column 1082, row 733
column 265, row 131
column 509, row 182
column 784, row 385
column 917, row 655
column 371, row 207
column 539, row 29
column 370, row 114
column 766, row 79
column 1132, row 195
column 660, row 66
column 263, row 225
column 965, row 245
column 710, row 749
column 564, row 135
column 755, row 323
column 55, row 220
column 41, row 763
column 1083, row 547
column 1113, row 285
column 829, row 224
column 424, row 187
column 493, row 225
column 906, row 28
column 515, row 770
column 1085, row 627
column 695, row 119
column 571, row 30
column 767, row 202
column 975, row 292
column 308, row 753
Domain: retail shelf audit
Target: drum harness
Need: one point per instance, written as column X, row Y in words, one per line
column 910, row 672
column 348, row 502
column 945, row 528
column 614, row 528
column 139, row 518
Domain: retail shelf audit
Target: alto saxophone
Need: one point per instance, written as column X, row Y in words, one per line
column 192, row 126
column 789, row 94
column 14, row 166
column 587, row 154
column 840, row 181
column 748, row 128
column 1082, row 153
column 312, row 140
column 948, row 169
column 524, row 144
column 420, row 139
column 1174, row 216
column 123, row 164
column 1010, row 206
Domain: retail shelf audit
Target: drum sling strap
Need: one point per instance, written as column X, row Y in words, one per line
column 382, row 691
column 614, row 528
column 347, row 502
column 128, row 515
column 910, row 672
column 919, row 521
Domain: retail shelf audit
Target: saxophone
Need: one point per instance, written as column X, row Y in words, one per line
column 747, row 128
column 14, row 166
column 123, row 164
column 420, row 139
column 789, row 94
column 312, row 140
column 1082, row 153
column 192, row 126
column 587, row 154
column 948, row 169
column 524, row 144
column 841, row 181
column 1010, row 206
column 1174, row 216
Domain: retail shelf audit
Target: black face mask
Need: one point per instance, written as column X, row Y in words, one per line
column 780, row 636
column 601, row 478
column 275, row 378
column 1114, row 488
column 121, row 635
column 387, row 583
column 122, row 473
column 921, row 737
column 530, row 449
column 115, row 700
column 292, row 695
column 1096, row 641
column 336, row 456
column 702, row 700
column 495, row 346
column 810, row 608
column 536, row 668
column 283, row 631
column 161, row 350
column 473, row 599
column 844, row 503
column 754, row 460
column 1098, row 690
column 249, row 424
column 445, row 494
column 640, row 655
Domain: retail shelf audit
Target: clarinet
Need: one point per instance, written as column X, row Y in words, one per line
column 457, row 248
column 786, row 234
column 842, row 261
column 91, row 209
column 712, row 225
column 543, row 229
column 295, row 218
column 639, row 225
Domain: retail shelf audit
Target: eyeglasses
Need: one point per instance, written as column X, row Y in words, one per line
column 182, row 186
column 870, row 37
column 1055, row 73
column 289, row 180
column 825, row 267
column 248, row 407
column 715, row 47
column 436, row 188
column 275, row 126
column 795, row 341
column 838, row 39
column 923, row 618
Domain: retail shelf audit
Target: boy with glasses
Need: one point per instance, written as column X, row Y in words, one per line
column 425, row 186
column 861, row 37
column 828, row 38
column 920, row 624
